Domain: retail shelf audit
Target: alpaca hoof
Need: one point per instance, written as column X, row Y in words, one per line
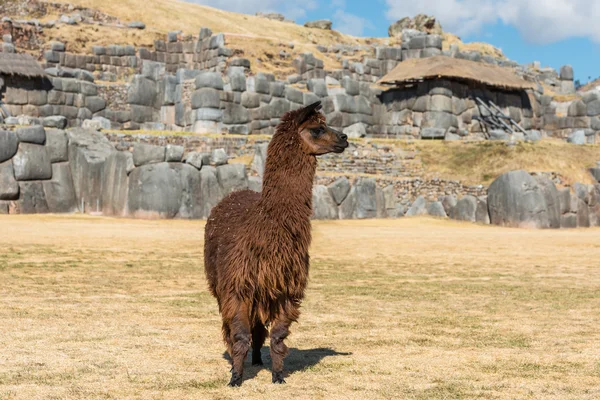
column 278, row 378
column 236, row 380
column 257, row 361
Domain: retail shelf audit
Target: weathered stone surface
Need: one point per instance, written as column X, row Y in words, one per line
column 174, row 153
column 438, row 119
column 583, row 214
column 566, row 73
column 155, row 190
column 577, row 137
column 88, row 151
column 147, row 154
column 324, row 207
column 365, row 198
column 515, row 199
column 260, row 157
column 197, row 159
column 210, row 189
column 449, row 202
column 433, row 133
column 206, row 98
column 218, row 157
column 582, row 191
column 95, row 103
column 357, row 130
column 465, row 209
column 232, row 177
column 553, row 205
column 339, row 189
column 9, row 188
column 32, row 163
column 436, row 209
column 55, row 121
column 418, row 207
column 564, row 197
column 59, row 191
column 318, row 87
column 319, row 24
column 142, row 91
column 32, row 199
column 255, row 183
column 499, row 134
column 482, row 214
column 32, row 134
column 347, row 208
column 8, row 145
column 235, row 114
column 116, row 183
column 57, row 145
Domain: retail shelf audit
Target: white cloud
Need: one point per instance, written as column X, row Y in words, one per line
column 539, row 21
column 292, row 9
column 350, row 24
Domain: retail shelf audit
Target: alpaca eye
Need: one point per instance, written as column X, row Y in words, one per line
column 317, row 131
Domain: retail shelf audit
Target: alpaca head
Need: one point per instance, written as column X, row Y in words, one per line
column 316, row 137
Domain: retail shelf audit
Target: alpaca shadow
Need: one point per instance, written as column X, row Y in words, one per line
column 297, row 360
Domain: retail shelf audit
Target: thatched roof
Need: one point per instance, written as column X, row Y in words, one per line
column 418, row 69
column 20, row 64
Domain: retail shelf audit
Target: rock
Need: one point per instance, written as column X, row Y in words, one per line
column 347, row 208
column 174, row 153
column 582, row 192
column 317, row 86
column 465, row 209
column 260, row 157
column 197, row 159
column 357, row 130
column 147, row 154
column 418, row 207
column 32, row 163
column 206, row 98
column 56, row 145
column 421, row 23
column 155, row 190
column 433, row 133
column 595, row 173
column 552, row 198
column 235, row 114
column 136, row 25
column 209, row 80
column 8, row 145
column 32, row 199
column 88, row 151
column 583, row 214
column 116, row 183
column 324, row 207
column 436, row 209
column 9, row 188
column 448, row 202
column 566, row 73
column 515, row 199
column 191, row 182
column 59, row 191
column 232, row 177
column 533, row 135
column 499, row 134
column 255, row 183
column 339, row 189
column 210, row 189
column 274, row 16
column 218, row 157
column 482, row 215
column 55, row 121
column 568, row 221
column 95, row 103
column 319, row 24
column 365, row 198
column 32, row 134
column 142, row 91
column 577, row 137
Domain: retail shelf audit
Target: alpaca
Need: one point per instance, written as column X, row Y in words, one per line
column 256, row 244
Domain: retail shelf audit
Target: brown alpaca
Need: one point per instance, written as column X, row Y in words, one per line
column 256, row 245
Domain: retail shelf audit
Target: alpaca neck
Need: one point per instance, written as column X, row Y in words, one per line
column 288, row 179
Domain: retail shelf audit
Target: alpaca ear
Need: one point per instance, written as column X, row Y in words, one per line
column 307, row 112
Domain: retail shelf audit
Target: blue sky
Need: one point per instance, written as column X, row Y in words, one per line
column 554, row 32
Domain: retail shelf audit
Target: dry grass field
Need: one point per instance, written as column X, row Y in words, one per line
column 409, row 309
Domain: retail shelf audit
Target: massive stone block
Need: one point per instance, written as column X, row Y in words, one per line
column 465, row 209
column 142, row 91
column 147, row 154
column 32, row 163
column 324, row 207
column 210, row 190
column 59, row 191
column 88, row 151
column 57, row 145
column 32, row 134
column 32, row 199
column 551, row 195
column 8, row 145
column 365, row 198
column 418, row 207
column 260, row 157
column 232, row 177
column 155, row 191
column 9, row 188
column 339, row 189
column 515, row 199
column 347, row 208
column 115, row 185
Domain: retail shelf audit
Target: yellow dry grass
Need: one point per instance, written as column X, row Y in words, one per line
column 483, row 48
column 410, row 309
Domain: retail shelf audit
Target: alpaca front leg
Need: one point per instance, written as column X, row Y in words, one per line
column 279, row 350
column 241, row 339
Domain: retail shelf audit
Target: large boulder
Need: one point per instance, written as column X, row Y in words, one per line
column 142, row 91
column 319, row 24
column 32, row 163
column 420, row 22
column 515, row 199
column 32, row 199
column 59, row 191
column 449, row 202
column 482, row 214
column 552, row 200
column 347, row 208
column 155, row 191
column 147, row 154
column 8, row 145
column 418, row 207
column 210, row 190
column 174, row 153
column 116, row 183
column 324, row 207
column 191, row 196
column 9, row 188
column 32, row 134
column 366, row 198
column 232, row 177
column 260, row 157
column 436, row 209
column 88, row 151
column 339, row 189
column 465, row 209
column 57, row 145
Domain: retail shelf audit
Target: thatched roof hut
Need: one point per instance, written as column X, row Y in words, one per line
column 21, row 65
column 441, row 67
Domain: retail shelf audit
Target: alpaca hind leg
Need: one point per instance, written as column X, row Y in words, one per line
column 259, row 334
column 241, row 339
column 279, row 350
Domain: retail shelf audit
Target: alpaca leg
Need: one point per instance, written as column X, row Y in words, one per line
column 279, row 350
column 259, row 334
column 240, row 337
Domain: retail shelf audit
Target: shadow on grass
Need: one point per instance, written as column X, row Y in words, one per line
column 297, row 360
